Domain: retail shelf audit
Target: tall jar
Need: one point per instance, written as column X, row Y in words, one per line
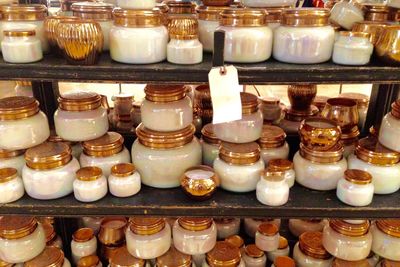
column 51, row 256
column 12, row 159
column 173, row 258
column 386, row 239
column 223, row 254
column 21, row 46
column 162, row 158
column 297, row 227
column 49, row 164
column 11, row 185
column 84, row 243
column 248, row 39
column 309, row 251
column 273, row 143
column 209, row 144
column 346, row 14
column 122, row 257
column 208, row 18
column 80, row 117
column 105, row 152
column 248, row 129
column 22, row 124
column 227, row 227
column 304, row 37
column 138, row 36
column 254, row 257
column 390, row 128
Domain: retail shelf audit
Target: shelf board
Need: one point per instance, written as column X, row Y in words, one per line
column 271, row 72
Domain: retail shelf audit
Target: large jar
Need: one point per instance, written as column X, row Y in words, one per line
column 105, row 152
column 254, row 257
column 386, row 239
column 304, row 37
column 208, row 18
column 22, row 124
column 382, row 163
column 352, row 48
column 80, row 117
column 84, row 243
column 209, row 144
column 21, row 239
column 11, row 185
column 223, row 254
column 227, row 227
column 309, row 251
column 355, row 188
column 166, row 108
column 174, row 258
column 138, row 36
column 90, row 184
column 390, row 128
column 347, row 240
column 12, row 159
column 346, row 14
column 51, row 256
column 297, row 227
column 162, row 158
column 49, row 171
column 239, row 166
column 248, row 129
column 121, row 257
column 273, row 143
column 267, row 237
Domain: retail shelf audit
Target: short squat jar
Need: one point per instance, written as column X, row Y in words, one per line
column 355, row 188
column 272, row 189
column 209, row 145
column 80, row 117
column 390, row 128
column 271, row 109
column 90, row 184
column 253, row 256
column 285, row 166
column 309, row 251
column 267, row 237
column 11, row 185
column 84, row 243
column 223, row 254
column 248, row 129
column 352, row 48
column 346, row 14
column 21, row 46
column 124, row 180
column 273, row 144
column 12, row 159
column 297, row 227
column 227, row 227
column 386, row 239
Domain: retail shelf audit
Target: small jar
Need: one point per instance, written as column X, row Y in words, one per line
column 49, row 164
column 346, row 14
column 90, row 184
column 21, row 239
column 52, row 239
column 283, row 250
column 194, row 235
column 80, row 117
column 390, row 128
column 239, row 166
column 267, row 237
column 352, row 48
column 171, row 152
column 227, row 227
column 148, row 238
column 248, row 129
column 272, row 189
column 12, row 159
column 11, row 185
column 304, row 37
column 223, row 254
column 386, row 239
column 253, row 256
column 297, row 227
column 124, row 180
column 84, row 243
column 122, row 258
column 271, row 109
column 138, row 36
column 283, row 261
column 51, row 256
column 112, row 231
column 209, row 145
column 166, row 108
column 356, row 188
column 251, row 225
column 309, row 251
column 22, row 124
column 285, row 166
column 105, row 152
column 199, row 182
column 248, row 39
column 273, row 144
column 89, row 261
column 21, row 46
column 347, row 241
column 208, row 18
column 344, row 263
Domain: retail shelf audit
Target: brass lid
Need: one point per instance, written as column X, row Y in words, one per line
column 310, row 243
column 49, row 232
column 369, row 150
column 208, row 134
column 88, row 261
column 342, row 263
column 253, row 251
column 165, row 140
column 18, row 107
column 268, row 229
column 180, row 7
column 123, row 169
column 223, row 254
column 305, row 17
column 335, row 154
column 274, row 14
column 210, row 13
column 272, row 137
column 284, row 261
column 122, row 258
column 349, row 229
column 174, row 258
column 195, row 224
column 83, row 235
column 146, row 226
column 358, row 176
column 107, row 145
column 243, row 17
column 389, row 227
column 365, row 35
column 48, row 156
column 396, row 109
column 249, row 103
column 164, row 93
column 390, row 263
column 280, row 165
column 50, row 257
column 133, row 18
column 235, row 240
column 283, row 242
column 183, row 28
column 240, row 154
column 90, row 173
column 273, row 176
column 82, row 101
column 22, row 12
column 15, row 227
column 19, row 33
column 7, row 154
column 7, row 174
column 93, row 10
column 361, row 99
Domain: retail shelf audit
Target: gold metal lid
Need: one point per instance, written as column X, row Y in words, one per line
column 15, row 227
column 343, row 263
column 268, row 229
column 235, row 240
column 50, row 257
column 272, row 137
column 349, row 229
column 390, row 227
column 182, row 28
column 90, row 173
column 146, row 226
column 240, row 154
column 174, row 258
column 358, row 176
column 249, row 103
column 355, row 34
column 369, row 150
column 22, row 12
column 335, row 154
column 390, row 263
column 49, row 233
column 361, row 99
column 107, row 145
column 7, row 154
column 18, row 107
column 396, row 109
column 310, row 243
column 7, row 174
column 19, row 33
column 165, row 93
column 88, row 261
column 180, row 7
column 223, row 254
column 283, row 242
column 210, row 13
column 82, row 101
column 93, row 10
column 133, row 18
column 208, row 134
column 48, row 156
column 123, row 169
column 284, row 261
column 305, row 17
column 280, row 165
column 253, row 251
column 83, row 235
column 195, row 224
column 243, row 17
column 273, row 176
column 122, row 258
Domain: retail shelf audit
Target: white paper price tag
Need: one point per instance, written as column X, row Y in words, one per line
column 225, row 94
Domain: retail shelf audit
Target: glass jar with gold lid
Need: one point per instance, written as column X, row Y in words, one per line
column 267, row 237
column 356, row 44
column 224, row 254
column 162, row 158
column 298, row 226
column 84, row 243
column 11, row 185
column 76, row 147
column 124, row 180
column 90, row 184
column 309, row 251
column 21, row 239
column 12, row 159
column 390, row 128
column 49, row 164
column 22, row 124
column 50, row 257
column 122, row 258
column 21, row 46
column 253, row 256
column 273, row 143
column 386, row 239
column 209, row 144
column 355, row 188
column 272, row 189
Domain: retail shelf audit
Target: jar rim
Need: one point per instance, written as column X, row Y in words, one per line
column 164, row 93
column 280, row 165
column 268, row 229
column 235, row 240
column 174, row 257
column 253, row 251
column 305, row 17
column 272, row 137
column 88, row 261
column 123, row 170
column 369, row 150
column 20, row 12
column 107, row 145
column 333, row 155
column 15, row 227
column 89, row 173
column 137, row 18
column 7, row 174
column 195, row 224
column 79, row 101
column 359, row 177
column 240, row 154
column 208, row 134
column 146, row 226
column 19, row 33
column 6, row 154
column 349, row 229
column 243, row 17
column 183, row 28
column 83, row 235
column 210, row 13
column 48, row 155
column 389, row 226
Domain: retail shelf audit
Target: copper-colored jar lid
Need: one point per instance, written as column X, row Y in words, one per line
column 390, row 263
column 396, row 109
column 182, row 28
column 335, row 154
column 174, row 258
column 210, row 12
column 19, row 33
column 361, row 99
column 268, row 229
column 6, row 154
column 310, row 243
column 253, row 251
column 180, row 7
column 343, row 263
column 223, row 254
column 390, row 227
column 273, row 176
column 272, row 137
column 48, row 156
column 164, row 93
column 274, row 14
column 90, row 173
column 83, row 235
column 358, row 176
column 49, row 232
column 88, row 261
column 208, row 134
column 284, row 261
column 369, row 150
column 18, row 107
column 235, row 240
column 50, row 257
column 349, row 229
column 122, row 258
column 7, row 174
column 195, row 224
column 82, row 101
column 123, row 169
column 280, row 165
column 147, row 226
column 93, row 10
column 243, row 17
column 107, row 145
column 23, row 12
column 283, row 243
column 15, row 227
column 305, row 17
column 137, row 18
column 240, row 154
column 249, row 103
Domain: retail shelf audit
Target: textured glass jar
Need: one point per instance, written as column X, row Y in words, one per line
column 254, row 257
column 209, row 144
column 90, row 184
column 51, row 256
column 21, row 46
column 386, row 239
column 285, row 166
column 352, row 48
column 80, row 117
column 251, row 225
column 84, row 243
column 346, row 14
column 124, row 180
column 283, row 250
column 272, row 189
column 390, row 128
column 223, row 254
column 227, row 227
column 208, row 18
column 273, row 144
column 174, row 257
column 355, row 189
column 267, row 237
column 298, row 227
column 122, row 257
column 11, row 185
column 12, row 159
column 309, row 251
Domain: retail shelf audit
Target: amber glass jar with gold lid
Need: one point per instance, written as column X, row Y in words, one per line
column 273, row 143
column 12, row 159
column 386, row 239
column 309, row 251
column 50, row 257
column 224, row 254
column 84, row 243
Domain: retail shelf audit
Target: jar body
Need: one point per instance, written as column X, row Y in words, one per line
column 297, row 226
column 254, row 262
column 303, row 45
column 106, row 26
column 352, row 51
column 209, row 151
column 272, row 193
column 12, row 190
column 90, row 191
column 251, row 225
column 385, row 245
column 346, row 15
column 263, row 3
column 164, row 168
column 303, row 260
column 24, row 133
column 124, row 186
column 290, row 177
column 83, row 249
column 354, row 194
column 389, row 130
column 206, row 33
column 267, row 243
column 50, row 184
column 185, row 52
column 79, row 126
column 21, row 49
column 281, row 152
column 272, row 255
column 136, row 4
column 17, row 162
column 227, row 229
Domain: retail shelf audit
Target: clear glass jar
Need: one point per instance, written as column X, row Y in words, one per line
column 21, row 239
column 285, row 166
column 362, row 106
column 209, row 145
column 80, row 117
column 138, row 36
column 21, row 46
column 304, row 37
column 386, row 239
column 223, row 254
column 309, row 251
column 355, row 188
column 208, row 18
column 267, row 237
column 273, row 144
column 272, row 189
column 22, row 124
column 124, row 180
column 136, row 4
column 283, row 250
column 263, row 3
column 52, row 239
column 251, row 225
column 162, row 158
column 51, row 256
column 346, row 14
column 122, row 257
column 352, row 48
column 90, row 184
column 246, row 130
column 49, row 171
column 390, row 128
column 239, row 166
column 347, row 241
column 11, row 185
column 227, row 227
column 298, row 227
column 84, row 243
column 166, row 108
column 12, row 159
column 254, row 257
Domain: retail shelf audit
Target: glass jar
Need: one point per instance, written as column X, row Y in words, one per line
column 199, row 182
column 90, row 184
column 248, row 39
column 12, row 159
column 11, row 185
column 390, row 128
column 386, row 239
column 166, row 108
column 382, row 163
column 248, row 129
column 304, row 37
column 356, row 188
column 84, row 243
column 21, row 46
column 283, row 250
column 138, row 36
column 122, row 257
column 209, row 145
column 124, row 180
column 297, row 227
column 89, row 261
column 208, row 18
column 273, row 144
column 227, row 227
column 51, row 256
column 21, row 239
column 344, row 263
column 346, row 14
column 272, row 189
column 52, row 239
column 80, row 117
column 262, row 3
column 105, row 152
column 223, row 254
column 49, row 164
column 253, row 256
column 239, row 166
column 285, row 166
column 347, row 241
column 148, row 238
column 352, row 48
column 267, row 237
column 162, row 158
column 251, row 225
column 22, row 124
column 194, row 235
column 309, row 251
column 271, row 109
